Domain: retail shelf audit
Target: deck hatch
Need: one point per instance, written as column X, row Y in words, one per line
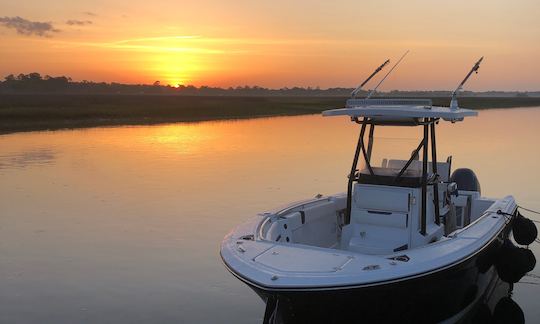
column 291, row 259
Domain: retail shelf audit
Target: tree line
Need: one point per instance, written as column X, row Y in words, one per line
column 36, row 83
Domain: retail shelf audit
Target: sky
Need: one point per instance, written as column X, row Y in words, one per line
column 275, row 43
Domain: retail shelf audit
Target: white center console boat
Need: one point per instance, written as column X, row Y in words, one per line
column 410, row 241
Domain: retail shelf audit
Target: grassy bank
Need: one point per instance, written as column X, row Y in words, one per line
column 43, row 112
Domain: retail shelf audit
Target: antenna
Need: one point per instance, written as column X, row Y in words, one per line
column 353, row 94
column 387, row 74
column 453, row 102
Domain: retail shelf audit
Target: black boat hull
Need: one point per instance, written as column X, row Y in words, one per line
column 430, row 298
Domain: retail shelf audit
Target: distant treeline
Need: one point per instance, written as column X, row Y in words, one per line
column 36, row 83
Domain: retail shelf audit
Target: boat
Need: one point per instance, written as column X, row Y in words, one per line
column 411, row 240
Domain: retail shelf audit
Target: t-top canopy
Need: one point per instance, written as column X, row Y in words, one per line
column 399, row 109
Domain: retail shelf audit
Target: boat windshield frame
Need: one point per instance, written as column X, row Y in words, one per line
column 399, row 180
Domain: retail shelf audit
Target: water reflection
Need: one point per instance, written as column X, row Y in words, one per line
column 496, row 307
column 530, row 279
column 27, row 158
column 123, row 224
column 185, row 139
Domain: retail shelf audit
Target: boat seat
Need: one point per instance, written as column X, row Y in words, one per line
column 370, row 239
column 313, row 225
column 320, row 226
column 462, row 204
column 379, row 220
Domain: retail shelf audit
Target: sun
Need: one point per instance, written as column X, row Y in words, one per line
column 174, row 69
column 176, row 82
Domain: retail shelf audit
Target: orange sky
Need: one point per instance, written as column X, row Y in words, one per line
column 276, row 43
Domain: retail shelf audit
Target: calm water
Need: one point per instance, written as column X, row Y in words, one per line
column 123, row 224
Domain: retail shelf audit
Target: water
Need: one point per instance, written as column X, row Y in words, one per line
column 123, row 224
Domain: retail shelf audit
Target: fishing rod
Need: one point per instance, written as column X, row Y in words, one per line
column 353, row 94
column 453, row 102
column 387, row 74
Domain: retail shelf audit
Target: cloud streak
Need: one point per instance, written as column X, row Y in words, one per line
column 28, row 27
column 74, row 22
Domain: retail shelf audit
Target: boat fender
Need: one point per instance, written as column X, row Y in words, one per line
column 524, row 230
column 514, row 262
column 508, row 311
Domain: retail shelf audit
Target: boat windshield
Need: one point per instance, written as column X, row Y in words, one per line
column 388, row 152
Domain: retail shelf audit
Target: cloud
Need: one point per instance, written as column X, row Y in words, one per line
column 89, row 13
column 27, row 27
column 74, row 22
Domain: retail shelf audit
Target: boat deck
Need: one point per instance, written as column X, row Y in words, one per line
column 278, row 265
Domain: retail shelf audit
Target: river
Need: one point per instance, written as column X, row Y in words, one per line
column 123, row 224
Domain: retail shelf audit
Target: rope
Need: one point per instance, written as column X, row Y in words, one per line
column 532, row 275
column 508, row 218
column 528, row 283
column 529, row 210
column 532, row 211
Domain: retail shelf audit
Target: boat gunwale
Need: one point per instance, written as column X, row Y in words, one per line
column 376, row 283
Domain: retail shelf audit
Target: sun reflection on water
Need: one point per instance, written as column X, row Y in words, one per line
column 180, row 138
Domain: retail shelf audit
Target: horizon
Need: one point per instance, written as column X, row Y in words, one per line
column 275, row 45
column 253, row 86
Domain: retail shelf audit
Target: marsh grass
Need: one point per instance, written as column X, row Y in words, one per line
column 55, row 111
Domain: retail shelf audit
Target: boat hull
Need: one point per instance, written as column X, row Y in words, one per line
column 428, row 298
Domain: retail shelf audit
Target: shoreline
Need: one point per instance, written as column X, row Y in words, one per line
column 81, row 124
column 48, row 112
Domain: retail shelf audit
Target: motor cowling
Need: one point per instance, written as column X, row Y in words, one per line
column 524, row 230
column 466, row 180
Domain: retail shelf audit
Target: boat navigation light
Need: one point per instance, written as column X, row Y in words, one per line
column 355, row 92
column 453, row 102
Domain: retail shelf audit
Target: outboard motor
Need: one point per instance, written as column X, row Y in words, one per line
column 524, row 230
column 514, row 262
column 466, row 180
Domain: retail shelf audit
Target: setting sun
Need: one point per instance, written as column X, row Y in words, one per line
column 173, row 68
